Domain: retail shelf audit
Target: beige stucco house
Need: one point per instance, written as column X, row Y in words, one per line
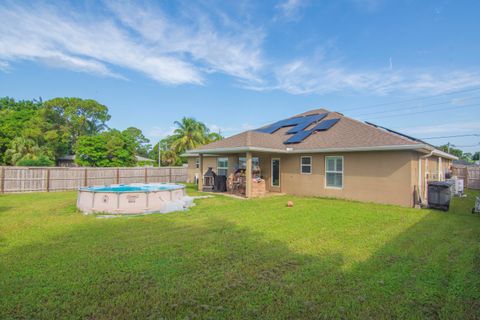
column 323, row 153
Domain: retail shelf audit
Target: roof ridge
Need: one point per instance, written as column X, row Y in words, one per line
column 378, row 128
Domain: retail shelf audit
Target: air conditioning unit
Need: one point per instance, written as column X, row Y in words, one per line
column 457, row 186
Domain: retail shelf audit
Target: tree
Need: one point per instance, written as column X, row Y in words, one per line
column 467, row 156
column 476, row 156
column 71, row 118
column 142, row 146
column 22, row 148
column 450, row 149
column 189, row 134
column 214, row 136
column 15, row 117
column 107, row 149
column 168, row 156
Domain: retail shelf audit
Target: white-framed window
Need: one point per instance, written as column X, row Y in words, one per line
column 197, row 163
column 334, row 172
column 222, row 166
column 242, row 162
column 305, row 165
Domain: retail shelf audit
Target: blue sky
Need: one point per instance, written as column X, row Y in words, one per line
column 408, row 65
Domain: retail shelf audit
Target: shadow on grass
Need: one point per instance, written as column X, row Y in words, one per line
column 152, row 268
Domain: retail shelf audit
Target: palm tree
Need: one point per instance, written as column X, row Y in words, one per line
column 189, row 134
column 214, row 136
column 21, row 147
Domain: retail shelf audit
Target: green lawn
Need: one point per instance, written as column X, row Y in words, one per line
column 229, row 258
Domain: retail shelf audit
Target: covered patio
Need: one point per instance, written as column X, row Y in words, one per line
column 246, row 174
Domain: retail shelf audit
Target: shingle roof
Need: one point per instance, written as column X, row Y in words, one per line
column 347, row 133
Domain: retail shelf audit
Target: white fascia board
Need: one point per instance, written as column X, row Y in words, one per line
column 187, row 154
column 291, row 150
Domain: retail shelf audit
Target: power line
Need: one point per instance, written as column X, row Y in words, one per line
column 469, row 146
column 455, row 136
column 425, row 111
column 413, row 99
column 426, row 105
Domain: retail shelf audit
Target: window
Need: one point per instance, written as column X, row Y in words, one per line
column 222, row 166
column 275, row 172
column 334, row 172
column 197, row 163
column 242, row 163
column 305, row 165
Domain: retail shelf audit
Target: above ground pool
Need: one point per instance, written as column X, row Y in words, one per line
column 133, row 199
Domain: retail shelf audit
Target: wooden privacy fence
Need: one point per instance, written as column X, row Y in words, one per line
column 38, row 179
column 469, row 174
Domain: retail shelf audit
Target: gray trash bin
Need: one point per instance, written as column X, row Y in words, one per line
column 439, row 194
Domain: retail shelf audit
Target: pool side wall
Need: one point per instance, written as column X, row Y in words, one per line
column 127, row 202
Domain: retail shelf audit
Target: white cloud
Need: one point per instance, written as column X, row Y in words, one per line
column 187, row 47
column 321, row 76
column 159, row 133
column 4, row 66
column 130, row 36
column 291, row 9
column 450, row 128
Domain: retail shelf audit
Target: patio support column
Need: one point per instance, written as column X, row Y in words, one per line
column 248, row 175
column 200, row 178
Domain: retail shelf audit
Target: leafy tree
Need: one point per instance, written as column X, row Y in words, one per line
column 15, row 117
column 476, row 156
column 214, row 136
column 451, row 150
column 107, row 149
column 22, row 148
column 68, row 119
column 467, row 156
column 142, row 146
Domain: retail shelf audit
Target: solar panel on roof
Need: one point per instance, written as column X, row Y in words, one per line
column 308, row 121
column 325, row 125
column 300, row 124
column 286, row 123
column 270, row 129
column 298, row 137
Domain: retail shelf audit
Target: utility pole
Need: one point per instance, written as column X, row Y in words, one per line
column 159, row 155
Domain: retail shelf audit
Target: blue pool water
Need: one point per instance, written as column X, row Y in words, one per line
column 134, row 188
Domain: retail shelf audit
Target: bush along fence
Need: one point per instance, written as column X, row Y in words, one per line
column 46, row 179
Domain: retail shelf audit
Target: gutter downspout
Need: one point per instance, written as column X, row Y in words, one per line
column 420, row 175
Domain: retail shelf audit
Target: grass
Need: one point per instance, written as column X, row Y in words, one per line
column 229, row 258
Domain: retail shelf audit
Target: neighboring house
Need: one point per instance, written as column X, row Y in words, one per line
column 69, row 161
column 322, row 153
column 144, row 162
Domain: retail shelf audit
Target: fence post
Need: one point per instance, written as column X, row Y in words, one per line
column 118, row 175
column 2, row 181
column 85, row 178
column 48, row 180
column 146, row 175
column 170, row 175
